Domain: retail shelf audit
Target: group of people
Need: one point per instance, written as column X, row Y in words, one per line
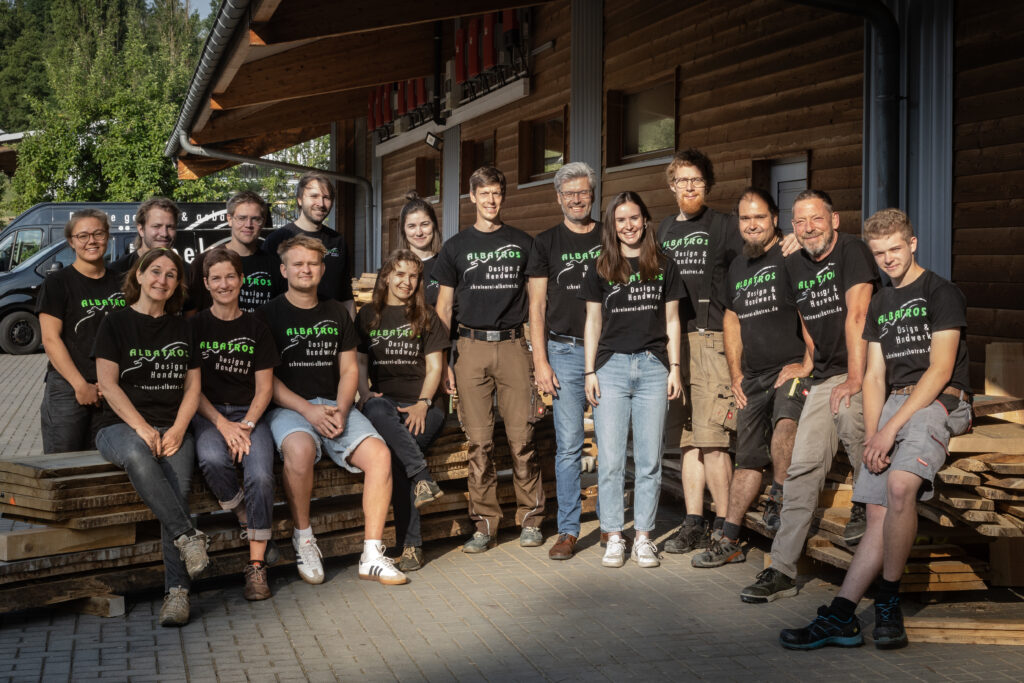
column 791, row 345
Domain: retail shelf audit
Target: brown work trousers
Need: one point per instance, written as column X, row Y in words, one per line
column 482, row 369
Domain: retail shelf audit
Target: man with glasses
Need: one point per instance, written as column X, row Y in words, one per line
column 560, row 259
column 246, row 216
column 702, row 242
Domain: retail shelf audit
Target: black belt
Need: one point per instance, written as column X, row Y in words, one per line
column 564, row 338
column 952, row 391
column 491, row 335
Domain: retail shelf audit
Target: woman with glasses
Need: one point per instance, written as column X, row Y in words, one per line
column 631, row 348
column 71, row 305
column 421, row 235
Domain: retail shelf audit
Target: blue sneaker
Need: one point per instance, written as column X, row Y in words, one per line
column 889, row 633
column 826, row 629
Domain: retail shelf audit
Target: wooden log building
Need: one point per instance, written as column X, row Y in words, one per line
column 785, row 94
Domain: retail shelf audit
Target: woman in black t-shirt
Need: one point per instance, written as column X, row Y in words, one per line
column 149, row 376
column 238, row 357
column 421, row 235
column 401, row 344
column 631, row 349
column 71, row 305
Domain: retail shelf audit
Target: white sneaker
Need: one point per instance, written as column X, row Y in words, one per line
column 615, row 552
column 307, row 560
column 645, row 553
column 382, row 569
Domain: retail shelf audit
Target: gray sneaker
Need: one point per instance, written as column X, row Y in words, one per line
column 771, row 585
column 720, row 551
column 411, row 559
column 857, row 525
column 175, row 610
column 531, row 537
column 193, row 552
column 480, row 542
column 426, row 492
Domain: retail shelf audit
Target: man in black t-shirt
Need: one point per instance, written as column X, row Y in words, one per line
column 482, row 271
column 833, row 277
column 157, row 223
column 769, row 361
column 246, row 213
column 702, row 242
column 916, row 396
column 559, row 261
column 315, row 197
column 314, row 393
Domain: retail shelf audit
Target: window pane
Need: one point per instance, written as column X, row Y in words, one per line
column 649, row 120
column 548, row 146
column 28, row 243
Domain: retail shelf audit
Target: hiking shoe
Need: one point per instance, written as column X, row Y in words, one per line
column 720, row 551
column 614, row 552
column 826, row 629
column 411, row 559
column 857, row 525
column 175, row 610
column 531, row 537
column 889, row 633
column 690, row 537
column 307, row 560
column 381, row 569
column 426, row 492
column 256, row 584
column 193, row 552
column 479, row 543
column 645, row 553
column 772, row 516
column 771, row 584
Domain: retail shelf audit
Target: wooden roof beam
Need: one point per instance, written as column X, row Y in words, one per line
column 192, row 168
column 331, row 65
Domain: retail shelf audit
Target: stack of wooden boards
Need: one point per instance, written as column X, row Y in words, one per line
column 362, row 288
column 81, row 530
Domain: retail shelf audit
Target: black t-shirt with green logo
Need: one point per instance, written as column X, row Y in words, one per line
column 262, row 282
column 337, row 280
column 633, row 314
column 903, row 320
column 820, row 288
column 230, row 353
column 430, row 285
column 760, row 296
column 80, row 303
column 309, row 341
column 153, row 355
column 711, row 239
column 396, row 361
column 487, row 270
column 564, row 257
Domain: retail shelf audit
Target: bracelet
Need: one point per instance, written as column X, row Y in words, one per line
column 592, row 372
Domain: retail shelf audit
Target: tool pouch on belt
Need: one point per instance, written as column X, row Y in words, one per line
column 724, row 411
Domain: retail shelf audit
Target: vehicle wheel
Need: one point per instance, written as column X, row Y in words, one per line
column 19, row 333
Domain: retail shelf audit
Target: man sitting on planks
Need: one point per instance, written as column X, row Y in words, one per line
column 918, row 355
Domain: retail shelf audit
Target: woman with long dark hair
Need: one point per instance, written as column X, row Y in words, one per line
column 631, row 347
column 148, row 373
column 401, row 345
column 420, row 233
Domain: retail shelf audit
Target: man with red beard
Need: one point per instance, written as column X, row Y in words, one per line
column 702, row 242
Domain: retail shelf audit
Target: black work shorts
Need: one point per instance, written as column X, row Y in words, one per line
column 766, row 405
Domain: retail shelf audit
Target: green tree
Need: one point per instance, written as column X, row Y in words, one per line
column 22, row 72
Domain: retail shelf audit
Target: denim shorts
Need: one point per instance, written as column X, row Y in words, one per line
column 284, row 422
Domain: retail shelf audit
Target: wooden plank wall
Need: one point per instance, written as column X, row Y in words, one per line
column 988, row 173
column 398, row 170
column 756, row 80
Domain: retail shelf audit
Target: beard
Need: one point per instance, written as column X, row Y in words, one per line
column 756, row 250
column 691, row 207
column 828, row 237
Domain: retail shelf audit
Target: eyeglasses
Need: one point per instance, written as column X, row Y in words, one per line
column 695, row 182
column 85, row 237
column 582, row 194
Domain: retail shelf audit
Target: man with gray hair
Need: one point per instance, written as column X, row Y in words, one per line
column 559, row 261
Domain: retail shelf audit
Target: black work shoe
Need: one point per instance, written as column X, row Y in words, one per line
column 772, row 516
column 826, row 629
column 857, row 525
column 720, row 551
column 690, row 537
column 771, row 585
column 889, row 633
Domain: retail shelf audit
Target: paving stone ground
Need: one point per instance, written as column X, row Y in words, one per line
column 507, row 615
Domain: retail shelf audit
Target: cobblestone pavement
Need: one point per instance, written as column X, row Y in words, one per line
column 21, row 390
column 507, row 615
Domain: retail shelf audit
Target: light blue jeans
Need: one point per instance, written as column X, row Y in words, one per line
column 634, row 388
column 567, row 408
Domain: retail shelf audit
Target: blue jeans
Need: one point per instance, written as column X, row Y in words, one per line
column 567, row 408
column 634, row 388
column 221, row 473
column 162, row 483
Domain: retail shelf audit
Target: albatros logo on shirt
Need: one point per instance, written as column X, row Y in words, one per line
column 258, row 279
column 506, row 252
column 94, row 307
column 572, row 259
column 324, row 328
column 694, row 239
column 766, row 274
column 822, row 277
column 915, row 308
column 243, row 345
column 382, row 335
column 177, row 350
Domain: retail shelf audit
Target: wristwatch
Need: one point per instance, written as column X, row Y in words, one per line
column 249, row 423
column 427, row 401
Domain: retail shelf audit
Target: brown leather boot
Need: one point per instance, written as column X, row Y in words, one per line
column 564, row 548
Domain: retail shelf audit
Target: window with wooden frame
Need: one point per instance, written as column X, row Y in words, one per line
column 542, row 146
column 642, row 122
column 428, row 177
column 475, row 154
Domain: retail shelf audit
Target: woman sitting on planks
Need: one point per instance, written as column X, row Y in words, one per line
column 72, row 304
column 148, row 373
column 401, row 344
column 238, row 356
column 631, row 350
